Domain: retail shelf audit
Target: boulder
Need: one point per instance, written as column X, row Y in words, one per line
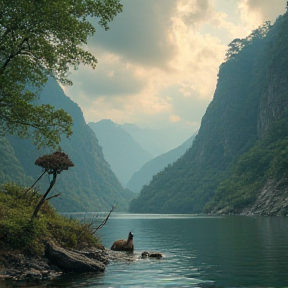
column 72, row 260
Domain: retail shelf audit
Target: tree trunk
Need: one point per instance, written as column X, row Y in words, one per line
column 45, row 195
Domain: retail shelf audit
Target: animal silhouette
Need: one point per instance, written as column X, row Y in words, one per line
column 124, row 245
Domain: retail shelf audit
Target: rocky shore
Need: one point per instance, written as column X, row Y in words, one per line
column 56, row 261
column 15, row 267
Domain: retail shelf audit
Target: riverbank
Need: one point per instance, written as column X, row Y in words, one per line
column 17, row 268
column 43, row 247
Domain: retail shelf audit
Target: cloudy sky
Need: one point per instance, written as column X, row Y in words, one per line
column 159, row 61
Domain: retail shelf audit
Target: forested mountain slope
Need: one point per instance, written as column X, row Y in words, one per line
column 151, row 168
column 241, row 147
column 11, row 169
column 120, row 150
column 88, row 186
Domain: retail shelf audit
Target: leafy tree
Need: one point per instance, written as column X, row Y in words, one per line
column 238, row 44
column 235, row 47
column 41, row 39
column 53, row 164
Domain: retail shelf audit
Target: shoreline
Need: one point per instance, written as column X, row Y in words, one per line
column 16, row 267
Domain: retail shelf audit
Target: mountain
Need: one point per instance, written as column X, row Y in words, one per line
column 238, row 160
column 158, row 141
column 120, row 150
column 88, row 186
column 145, row 174
column 11, row 168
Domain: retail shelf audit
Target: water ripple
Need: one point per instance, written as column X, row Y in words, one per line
column 200, row 251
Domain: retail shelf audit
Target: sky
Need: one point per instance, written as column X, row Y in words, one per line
column 158, row 62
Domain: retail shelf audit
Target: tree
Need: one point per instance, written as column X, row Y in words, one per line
column 235, row 47
column 53, row 164
column 238, row 44
column 41, row 39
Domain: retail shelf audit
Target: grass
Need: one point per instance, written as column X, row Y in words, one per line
column 20, row 232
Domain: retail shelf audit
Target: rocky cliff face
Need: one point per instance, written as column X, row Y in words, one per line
column 274, row 101
column 240, row 154
column 272, row 199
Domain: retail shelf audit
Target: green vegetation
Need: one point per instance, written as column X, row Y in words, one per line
column 18, row 231
column 52, row 164
column 89, row 186
column 41, row 39
column 268, row 159
column 241, row 144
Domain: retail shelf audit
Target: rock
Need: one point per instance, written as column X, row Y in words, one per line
column 155, row 255
column 33, row 274
column 17, row 267
column 99, row 255
column 145, row 254
column 72, row 261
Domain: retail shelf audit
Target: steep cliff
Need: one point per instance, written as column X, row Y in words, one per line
column 258, row 182
column 88, row 186
column 235, row 155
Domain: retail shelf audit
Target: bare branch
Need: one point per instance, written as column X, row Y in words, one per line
column 34, row 183
column 93, row 231
column 54, row 196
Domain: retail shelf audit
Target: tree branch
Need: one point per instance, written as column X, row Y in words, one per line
column 54, row 196
column 93, row 231
column 35, row 182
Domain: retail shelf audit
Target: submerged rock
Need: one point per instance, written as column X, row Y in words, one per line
column 156, row 255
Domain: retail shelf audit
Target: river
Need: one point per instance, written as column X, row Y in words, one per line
column 200, row 251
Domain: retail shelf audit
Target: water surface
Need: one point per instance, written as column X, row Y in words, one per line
column 200, row 251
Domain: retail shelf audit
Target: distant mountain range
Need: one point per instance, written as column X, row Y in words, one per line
column 158, row 141
column 120, row 150
column 125, row 149
column 151, row 168
column 88, row 186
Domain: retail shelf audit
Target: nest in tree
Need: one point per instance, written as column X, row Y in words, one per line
column 58, row 161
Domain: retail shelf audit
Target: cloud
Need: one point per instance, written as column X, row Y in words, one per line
column 112, row 78
column 254, row 12
column 159, row 61
column 139, row 33
column 194, row 12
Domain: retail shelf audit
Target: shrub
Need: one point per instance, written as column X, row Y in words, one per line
column 19, row 231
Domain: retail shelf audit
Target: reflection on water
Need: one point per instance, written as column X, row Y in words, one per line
column 200, row 251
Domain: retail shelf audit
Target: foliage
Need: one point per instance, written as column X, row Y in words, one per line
column 90, row 186
column 242, row 139
column 238, row 44
column 268, row 159
column 39, row 39
column 18, row 231
column 56, row 162
column 53, row 164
